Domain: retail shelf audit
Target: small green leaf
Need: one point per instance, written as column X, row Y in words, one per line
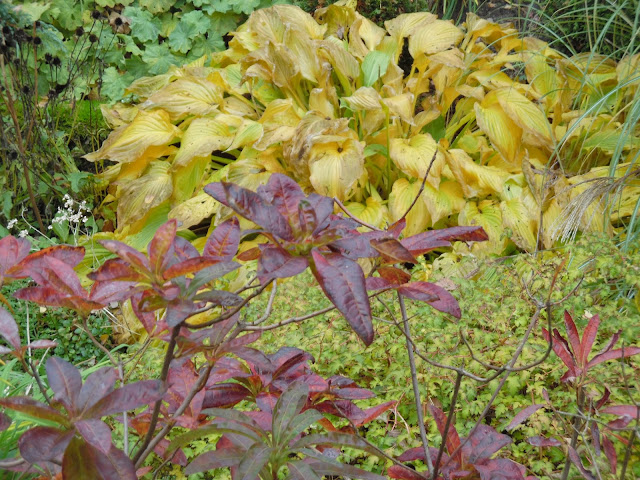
column 374, row 66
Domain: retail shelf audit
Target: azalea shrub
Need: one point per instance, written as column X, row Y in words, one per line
column 526, row 140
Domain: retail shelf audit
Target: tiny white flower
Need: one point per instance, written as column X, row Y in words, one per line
column 23, row 233
column 12, row 223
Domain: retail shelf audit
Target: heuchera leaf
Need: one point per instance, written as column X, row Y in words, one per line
column 342, row 280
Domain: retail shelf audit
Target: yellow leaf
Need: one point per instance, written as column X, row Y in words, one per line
column 119, row 114
column 476, row 180
column 502, row 131
column 413, row 156
column 401, row 106
column 372, row 212
column 435, row 37
column 194, row 210
column 401, row 197
column 186, row 96
column 141, row 195
column 444, row 201
column 365, row 98
column 204, row 135
column 279, row 121
column 522, row 221
column 407, row 23
column 488, row 215
column 527, row 116
column 128, row 142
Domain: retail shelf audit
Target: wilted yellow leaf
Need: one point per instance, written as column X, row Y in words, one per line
column 527, row 116
column 413, row 156
column 144, row 193
column 502, row 131
column 435, row 37
column 476, row 180
column 186, row 96
column 204, row 135
column 193, row 211
column 446, row 200
column 401, row 197
column 488, row 215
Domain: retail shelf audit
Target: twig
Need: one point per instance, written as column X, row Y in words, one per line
column 454, row 398
column 267, row 312
column 414, row 382
column 353, row 217
column 424, row 180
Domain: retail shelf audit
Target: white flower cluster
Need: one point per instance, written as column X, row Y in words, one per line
column 12, row 223
column 73, row 212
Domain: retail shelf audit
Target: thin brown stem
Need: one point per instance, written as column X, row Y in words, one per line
column 353, row 217
column 454, row 399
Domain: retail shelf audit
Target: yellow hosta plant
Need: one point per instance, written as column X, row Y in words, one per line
column 525, row 141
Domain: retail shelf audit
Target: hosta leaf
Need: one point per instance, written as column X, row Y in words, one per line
column 476, row 180
column 486, row 214
column 413, row 156
column 204, row 135
column 336, row 166
column 186, row 96
column 522, row 221
column 503, row 132
column 528, row 116
column 407, row 23
column 444, row 201
column 126, row 143
column 435, row 37
column 141, row 195
column 401, row 197
column 193, row 211
column 365, row 98
column 372, row 212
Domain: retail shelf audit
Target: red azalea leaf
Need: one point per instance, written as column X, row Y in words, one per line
column 561, row 350
column 352, row 393
column 160, row 249
column 397, row 227
column 266, row 401
column 396, row 471
column 306, row 217
column 575, row 459
column 604, row 399
column 373, row 412
column 357, row 245
column 78, row 461
column 523, row 415
column 619, row 424
column 191, row 265
column 275, row 262
column 223, row 242
column 130, row 255
column 248, row 255
column 116, row 269
column 610, row 453
column 148, row 319
column 65, row 381
column 452, row 441
column 57, row 274
column 284, row 193
column 34, row 263
column 34, row 409
column 181, row 380
column 588, row 337
column 41, row 444
column 427, row 241
column 378, row 283
column 341, row 408
column 393, row 251
column 342, row 281
column 595, row 437
column 417, row 453
column 9, row 329
column 251, row 206
column 612, row 341
column 394, row 275
column 539, row 441
column 483, row 443
column 293, row 360
column 254, row 460
column 224, row 395
column 613, row 355
column 96, row 433
column 323, row 208
column 128, row 397
column 574, row 338
column 622, row 411
column 178, row 311
column 445, row 302
column 12, row 251
column 115, row 465
column 97, row 385
column 106, row 292
column 183, row 250
column 501, row 469
column 53, row 298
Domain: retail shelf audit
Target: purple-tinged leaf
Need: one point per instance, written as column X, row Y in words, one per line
column 378, row 283
column 251, row 206
column 224, row 395
column 278, row 263
column 610, row 453
column 78, row 461
column 284, row 193
column 181, row 380
column 323, row 208
column 97, row 385
column 342, row 280
column 296, row 360
column 372, row 413
column 253, row 461
column 612, row 341
column 595, row 437
column 574, row 338
column 186, row 267
column 539, row 441
column 588, row 337
column 219, row 458
column 65, row 381
column 306, row 218
column 219, row 297
column 96, row 433
column 604, row 399
column 356, row 393
column 444, row 302
column 9, row 329
column 34, row 409
column 12, row 251
column 248, row 255
column 34, row 263
column 427, row 241
column 393, row 251
column 183, row 250
column 115, row 465
column 266, row 401
column 223, row 242
column 622, row 411
column 54, row 298
column 116, row 270
column 325, row 465
column 44, row 444
column 358, row 245
column 160, row 248
column 38, row 344
column 396, row 471
column 575, row 459
column 178, row 311
column 561, row 350
column 301, row 470
column 523, row 415
column 288, row 406
column 501, row 469
column 483, row 443
column 613, row 355
column 129, row 397
column 5, row 422
column 417, row 453
column 620, row 424
column 106, row 292
column 130, row 255
column 452, row 440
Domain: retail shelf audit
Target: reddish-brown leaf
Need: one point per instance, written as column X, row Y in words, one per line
column 523, row 415
column 427, row 241
column 342, row 280
column 41, row 444
column 97, row 385
column 12, row 251
column 396, row 471
column 394, row 275
column 78, row 461
column 574, row 338
column 5, row 422
column 452, row 439
column 65, row 381
column 248, row 255
column 373, row 412
column 445, row 302
column 483, row 442
column 191, row 265
column 284, row 193
column 622, row 410
column 38, row 344
column 53, row 298
column 96, row 433
column 393, row 251
column 575, row 459
column 34, row 263
column 224, row 395
column 34, row 409
column 610, row 453
column 539, row 441
column 130, row 255
column 116, row 270
column 501, row 469
column 560, row 348
column 613, row 355
column 378, row 283
column 588, row 337
column 128, row 397
column 9, row 329
column 223, row 242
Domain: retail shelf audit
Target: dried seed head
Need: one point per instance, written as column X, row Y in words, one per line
column 6, row 30
column 96, row 14
column 79, row 31
column 118, row 21
column 37, row 41
column 56, row 62
column 93, row 38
